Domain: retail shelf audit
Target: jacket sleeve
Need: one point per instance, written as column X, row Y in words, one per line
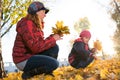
column 80, row 50
column 34, row 39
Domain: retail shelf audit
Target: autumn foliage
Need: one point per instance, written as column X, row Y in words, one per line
column 98, row 45
column 98, row 70
column 60, row 28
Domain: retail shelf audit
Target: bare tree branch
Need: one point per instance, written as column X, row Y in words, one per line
column 117, row 7
column 5, row 22
column 6, row 31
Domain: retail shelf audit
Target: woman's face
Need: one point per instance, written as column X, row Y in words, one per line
column 41, row 14
column 86, row 39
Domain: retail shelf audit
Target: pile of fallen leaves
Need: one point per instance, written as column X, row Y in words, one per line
column 60, row 28
column 98, row 70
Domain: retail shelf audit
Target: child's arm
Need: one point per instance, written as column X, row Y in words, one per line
column 81, row 51
column 93, row 50
column 94, row 57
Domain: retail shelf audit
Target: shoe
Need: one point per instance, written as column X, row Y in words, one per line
column 49, row 74
column 26, row 76
column 31, row 73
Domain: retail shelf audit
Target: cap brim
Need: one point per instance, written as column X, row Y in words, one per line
column 46, row 10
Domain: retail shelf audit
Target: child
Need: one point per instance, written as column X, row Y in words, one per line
column 81, row 56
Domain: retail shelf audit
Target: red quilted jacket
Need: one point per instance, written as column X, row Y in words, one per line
column 29, row 41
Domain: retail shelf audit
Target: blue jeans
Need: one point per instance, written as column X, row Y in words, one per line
column 82, row 63
column 44, row 62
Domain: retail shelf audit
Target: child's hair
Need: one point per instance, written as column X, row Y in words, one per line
column 85, row 33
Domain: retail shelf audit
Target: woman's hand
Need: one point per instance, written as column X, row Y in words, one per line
column 57, row 37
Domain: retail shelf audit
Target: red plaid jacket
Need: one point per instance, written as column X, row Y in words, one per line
column 29, row 41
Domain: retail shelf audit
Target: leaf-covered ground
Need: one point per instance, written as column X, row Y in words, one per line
column 98, row 70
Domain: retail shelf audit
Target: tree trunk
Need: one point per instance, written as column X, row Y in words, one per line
column 0, row 64
column 2, row 72
column 0, row 45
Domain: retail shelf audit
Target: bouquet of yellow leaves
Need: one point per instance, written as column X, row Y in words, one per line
column 60, row 28
column 98, row 45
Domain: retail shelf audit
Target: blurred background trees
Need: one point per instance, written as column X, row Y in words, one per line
column 115, row 14
column 81, row 24
column 10, row 12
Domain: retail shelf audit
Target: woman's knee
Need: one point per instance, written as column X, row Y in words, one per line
column 51, row 65
column 56, row 48
column 41, row 61
column 54, row 52
column 56, row 64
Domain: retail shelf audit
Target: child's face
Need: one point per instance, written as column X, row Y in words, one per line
column 86, row 39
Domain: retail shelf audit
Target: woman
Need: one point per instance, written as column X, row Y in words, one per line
column 33, row 54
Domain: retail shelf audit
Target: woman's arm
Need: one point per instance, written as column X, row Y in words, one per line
column 34, row 40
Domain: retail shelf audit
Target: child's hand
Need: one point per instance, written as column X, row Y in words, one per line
column 94, row 57
column 93, row 50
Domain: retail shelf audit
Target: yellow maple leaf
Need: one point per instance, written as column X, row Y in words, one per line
column 48, row 77
column 59, row 24
column 98, row 45
column 78, row 77
column 60, row 28
column 56, row 73
column 104, row 73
